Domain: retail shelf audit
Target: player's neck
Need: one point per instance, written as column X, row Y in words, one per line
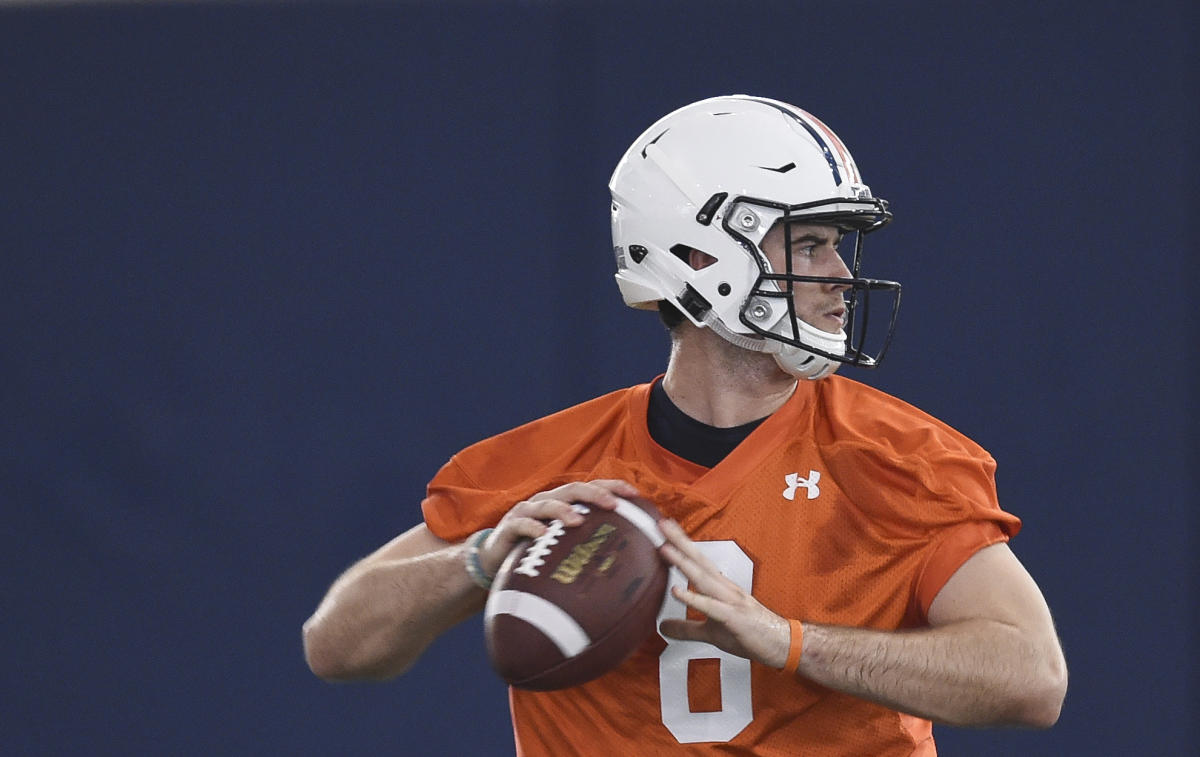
column 722, row 385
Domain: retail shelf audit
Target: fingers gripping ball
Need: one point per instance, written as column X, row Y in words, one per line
column 576, row 602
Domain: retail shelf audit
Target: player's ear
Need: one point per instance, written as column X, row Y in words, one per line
column 693, row 257
column 700, row 259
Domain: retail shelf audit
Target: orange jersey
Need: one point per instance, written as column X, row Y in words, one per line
column 845, row 507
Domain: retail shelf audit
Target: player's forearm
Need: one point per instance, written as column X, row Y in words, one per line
column 380, row 616
column 973, row 673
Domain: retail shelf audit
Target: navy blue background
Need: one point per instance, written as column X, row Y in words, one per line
column 263, row 268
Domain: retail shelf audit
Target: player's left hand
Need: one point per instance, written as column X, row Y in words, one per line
column 734, row 620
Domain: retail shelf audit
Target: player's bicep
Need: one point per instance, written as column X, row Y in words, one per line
column 992, row 584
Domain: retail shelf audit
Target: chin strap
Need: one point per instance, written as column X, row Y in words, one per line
column 794, row 361
column 804, row 364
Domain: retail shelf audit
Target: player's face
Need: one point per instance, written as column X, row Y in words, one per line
column 814, row 252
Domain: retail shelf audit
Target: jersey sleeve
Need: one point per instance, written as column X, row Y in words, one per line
column 953, row 547
column 925, row 487
column 455, row 506
column 479, row 484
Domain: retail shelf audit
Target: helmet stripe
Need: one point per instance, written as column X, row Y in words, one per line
column 847, row 161
column 837, row 176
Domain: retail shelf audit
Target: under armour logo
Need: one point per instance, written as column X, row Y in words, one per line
column 794, row 481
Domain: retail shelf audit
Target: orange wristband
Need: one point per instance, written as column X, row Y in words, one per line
column 796, row 647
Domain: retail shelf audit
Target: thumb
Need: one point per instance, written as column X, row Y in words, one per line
column 684, row 630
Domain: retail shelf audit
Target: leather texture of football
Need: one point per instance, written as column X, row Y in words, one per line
column 576, row 602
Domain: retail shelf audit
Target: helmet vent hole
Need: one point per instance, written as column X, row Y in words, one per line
column 681, row 251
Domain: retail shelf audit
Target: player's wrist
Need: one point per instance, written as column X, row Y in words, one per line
column 795, row 647
column 479, row 573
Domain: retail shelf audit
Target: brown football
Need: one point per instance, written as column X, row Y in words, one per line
column 576, row 602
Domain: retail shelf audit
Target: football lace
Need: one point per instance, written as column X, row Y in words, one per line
column 541, row 547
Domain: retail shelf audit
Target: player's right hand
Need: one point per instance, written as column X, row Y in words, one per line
column 528, row 518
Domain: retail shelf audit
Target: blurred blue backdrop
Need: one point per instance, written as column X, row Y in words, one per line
column 264, row 267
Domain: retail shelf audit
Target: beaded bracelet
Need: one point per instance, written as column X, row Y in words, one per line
column 474, row 566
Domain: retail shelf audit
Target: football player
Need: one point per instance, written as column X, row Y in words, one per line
column 841, row 576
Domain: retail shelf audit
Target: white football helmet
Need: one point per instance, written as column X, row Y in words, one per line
column 715, row 176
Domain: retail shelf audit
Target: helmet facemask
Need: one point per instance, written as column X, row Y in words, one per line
column 803, row 348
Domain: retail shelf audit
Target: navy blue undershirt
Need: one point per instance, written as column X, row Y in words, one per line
column 687, row 437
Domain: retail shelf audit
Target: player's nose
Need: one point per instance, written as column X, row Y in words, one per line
column 839, row 270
